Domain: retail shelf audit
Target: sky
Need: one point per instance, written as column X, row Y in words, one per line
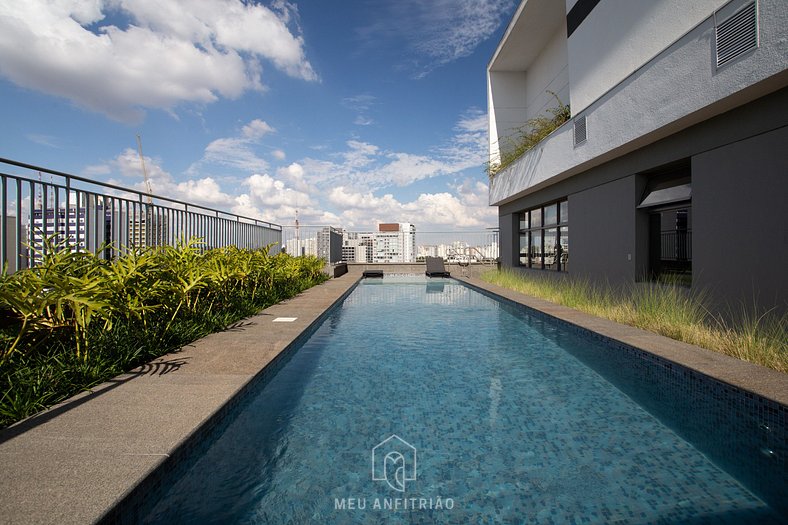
column 348, row 112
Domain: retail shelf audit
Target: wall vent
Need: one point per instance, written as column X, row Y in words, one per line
column 737, row 34
column 580, row 130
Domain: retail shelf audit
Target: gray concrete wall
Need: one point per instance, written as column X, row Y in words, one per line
column 740, row 184
column 602, row 232
column 508, row 239
column 740, row 238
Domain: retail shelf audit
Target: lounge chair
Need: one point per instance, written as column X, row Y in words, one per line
column 435, row 267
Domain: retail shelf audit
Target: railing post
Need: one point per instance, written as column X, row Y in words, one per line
column 4, row 234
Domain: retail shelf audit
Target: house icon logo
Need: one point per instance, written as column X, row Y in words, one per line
column 394, row 461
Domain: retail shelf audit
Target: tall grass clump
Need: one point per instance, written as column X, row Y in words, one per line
column 666, row 309
column 76, row 320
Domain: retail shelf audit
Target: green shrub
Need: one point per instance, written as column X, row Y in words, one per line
column 76, row 320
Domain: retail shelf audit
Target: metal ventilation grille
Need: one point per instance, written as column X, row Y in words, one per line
column 737, row 34
column 580, row 130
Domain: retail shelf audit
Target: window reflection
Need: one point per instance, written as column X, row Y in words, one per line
column 563, row 255
column 536, row 249
column 524, row 249
column 544, row 237
column 524, row 221
column 550, row 242
column 536, row 218
column 551, row 215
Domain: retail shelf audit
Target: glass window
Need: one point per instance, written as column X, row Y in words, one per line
column 550, row 245
column 544, row 237
column 563, row 256
column 536, row 249
column 524, row 221
column 564, row 213
column 551, row 215
column 536, row 218
column 524, row 249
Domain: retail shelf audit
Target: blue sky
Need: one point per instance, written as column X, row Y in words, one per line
column 352, row 112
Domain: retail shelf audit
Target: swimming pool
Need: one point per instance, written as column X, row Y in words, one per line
column 421, row 401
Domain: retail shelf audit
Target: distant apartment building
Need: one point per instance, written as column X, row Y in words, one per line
column 672, row 163
column 299, row 246
column 148, row 229
column 395, row 243
column 357, row 247
column 71, row 229
column 459, row 249
column 329, row 244
column 62, row 228
column 10, row 252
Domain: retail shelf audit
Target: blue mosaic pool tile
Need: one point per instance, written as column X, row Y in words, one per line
column 516, row 418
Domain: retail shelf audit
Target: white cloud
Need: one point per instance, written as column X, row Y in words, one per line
column 349, row 188
column 359, row 154
column 346, row 198
column 278, row 154
column 266, row 190
column 170, row 52
column 256, row 129
column 236, row 152
column 294, row 176
column 205, row 191
column 437, row 32
column 45, row 140
column 361, row 105
column 368, row 167
column 429, row 211
column 263, row 197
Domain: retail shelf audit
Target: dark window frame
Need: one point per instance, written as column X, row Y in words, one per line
column 556, row 259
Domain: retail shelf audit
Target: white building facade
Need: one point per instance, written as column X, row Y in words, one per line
column 395, row 243
column 674, row 154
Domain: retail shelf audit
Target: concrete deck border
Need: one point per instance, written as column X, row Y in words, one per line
column 95, row 457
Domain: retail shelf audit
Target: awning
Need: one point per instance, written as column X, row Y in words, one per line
column 682, row 192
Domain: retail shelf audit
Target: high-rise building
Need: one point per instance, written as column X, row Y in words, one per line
column 357, row 247
column 329, row 244
column 65, row 229
column 395, row 242
column 148, row 229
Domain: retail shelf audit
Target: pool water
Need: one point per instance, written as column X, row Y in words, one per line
column 512, row 418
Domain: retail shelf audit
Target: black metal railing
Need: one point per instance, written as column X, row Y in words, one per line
column 83, row 214
column 676, row 246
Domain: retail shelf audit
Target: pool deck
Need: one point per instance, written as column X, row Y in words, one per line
column 74, row 462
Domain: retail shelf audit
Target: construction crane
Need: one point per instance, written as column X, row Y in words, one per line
column 144, row 171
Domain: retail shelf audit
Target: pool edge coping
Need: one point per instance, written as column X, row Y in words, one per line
column 135, row 494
